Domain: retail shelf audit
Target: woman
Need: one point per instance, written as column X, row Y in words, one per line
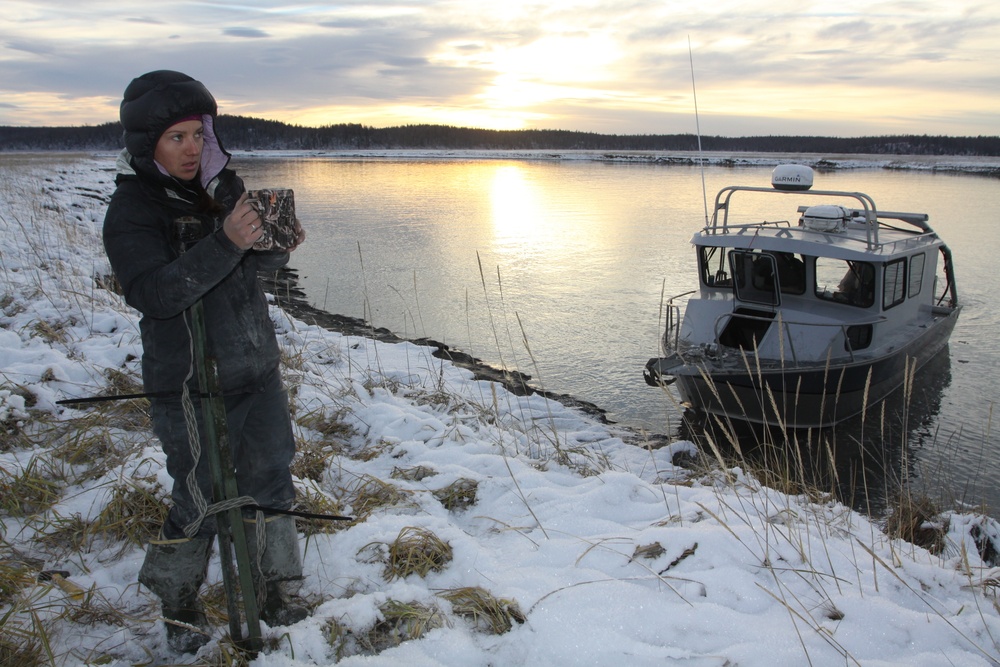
column 179, row 230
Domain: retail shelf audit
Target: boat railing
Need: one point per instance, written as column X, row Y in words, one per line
column 867, row 211
column 785, row 333
column 672, row 315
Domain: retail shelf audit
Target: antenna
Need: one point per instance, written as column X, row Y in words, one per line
column 697, row 124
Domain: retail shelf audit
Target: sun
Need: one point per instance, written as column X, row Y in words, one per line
column 524, row 77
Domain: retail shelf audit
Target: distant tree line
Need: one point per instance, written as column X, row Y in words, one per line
column 246, row 133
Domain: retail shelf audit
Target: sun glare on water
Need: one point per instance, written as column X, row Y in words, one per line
column 517, row 208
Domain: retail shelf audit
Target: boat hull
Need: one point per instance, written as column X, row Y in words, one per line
column 798, row 397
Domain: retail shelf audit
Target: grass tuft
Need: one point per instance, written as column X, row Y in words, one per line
column 649, row 551
column 133, row 515
column 459, row 495
column 915, row 519
column 316, row 502
column 416, row 551
column 371, row 494
column 486, row 612
column 329, row 426
column 64, row 534
column 27, row 491
column 14, row 577
column 401, row 621
column 311, row 460
column 21, row 650
column 413, row 473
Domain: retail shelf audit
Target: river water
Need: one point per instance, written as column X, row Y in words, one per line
column 557, row 268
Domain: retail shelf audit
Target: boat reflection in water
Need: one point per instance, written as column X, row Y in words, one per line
column 866, row 460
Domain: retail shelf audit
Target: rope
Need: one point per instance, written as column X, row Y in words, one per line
column 194, row 442
column 204, row 508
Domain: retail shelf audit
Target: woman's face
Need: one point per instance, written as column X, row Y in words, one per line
column 179, row 149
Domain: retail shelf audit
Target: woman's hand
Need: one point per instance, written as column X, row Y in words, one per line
column 242, row 226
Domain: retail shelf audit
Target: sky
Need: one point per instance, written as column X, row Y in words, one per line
column 843, row 68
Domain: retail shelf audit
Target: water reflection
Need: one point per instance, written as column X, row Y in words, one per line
column 516, row 208
column 865, row 461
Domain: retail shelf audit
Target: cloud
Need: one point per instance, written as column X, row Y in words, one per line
column 145, row 20
column 253, row 33
column 577, row 65
column 32, row 48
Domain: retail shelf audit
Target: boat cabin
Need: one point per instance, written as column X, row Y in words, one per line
column 836, row 280
column 828, row 307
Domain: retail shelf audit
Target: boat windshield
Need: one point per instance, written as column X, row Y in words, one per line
column 788, row 267
column 844, row 281
column 714, row 270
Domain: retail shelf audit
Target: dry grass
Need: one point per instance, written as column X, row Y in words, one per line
column 486, row 612
column 371, row 494
column 398, row 622
column 227, row 653
column 316, row 502
column 64, row 535
column 328, row 426
column 413, row 474
column 15, row 576
column 337, row 636
column 401, row 621
column 53, row 332
column 109, row 282
column 917, row 520
column 649, row 551
column 416, row 551
column 459, row 495
column 28, row 490
column 78, row 444
column 311, row 460
column 21, row 649
column 133, row 515
column 11, row 435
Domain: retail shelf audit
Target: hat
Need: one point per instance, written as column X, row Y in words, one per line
column 157, row 100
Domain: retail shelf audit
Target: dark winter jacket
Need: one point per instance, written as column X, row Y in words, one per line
column 167, row 254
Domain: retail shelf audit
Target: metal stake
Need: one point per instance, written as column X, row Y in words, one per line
column 231, row 531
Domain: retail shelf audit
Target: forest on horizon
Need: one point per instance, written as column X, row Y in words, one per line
column 247, row 133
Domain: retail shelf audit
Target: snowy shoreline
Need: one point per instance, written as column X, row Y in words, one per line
column 989, row 166
column 608, row 552
column 959, row 164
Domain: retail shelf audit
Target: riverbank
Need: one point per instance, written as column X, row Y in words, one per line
column 985, row 166
column 283, row 287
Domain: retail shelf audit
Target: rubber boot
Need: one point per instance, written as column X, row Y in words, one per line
column 174, row 571
column 278, row 570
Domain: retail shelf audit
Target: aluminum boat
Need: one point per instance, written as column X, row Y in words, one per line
column 808, row 319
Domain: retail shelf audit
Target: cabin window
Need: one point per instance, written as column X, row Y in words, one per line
column 754, row 276
column 791, row 272
column 713, row 267
column 894, row 287
column 916, row 275
column 845, row 281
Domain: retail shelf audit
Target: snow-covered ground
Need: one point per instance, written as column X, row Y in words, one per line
column 599, row 550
